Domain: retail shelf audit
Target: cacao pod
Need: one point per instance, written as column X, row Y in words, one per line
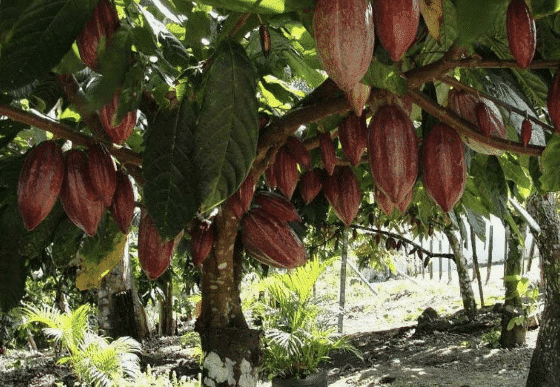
column 271, row 241
column 119, row 132
column 383, row 202
column 79, row 200
column 299, row 152
column 286, row 172
column 154, row 253
column 444, row 170
column 396, row 22
column 265, row 40
column 521, row 32
column 271, row 177
column 202, row 240
column 357, row 97
column 40, row 182
column 343, row 193
column 526, row 131
column 352, row 133
column 403, row 205
column 328, row 153
column 277, row 206
column 122, row 206
column 240, row 201
column 102, row 173
column 553, row 101
column 344, row 37
column 393, row 152
column 97, row 33
column 310, row 185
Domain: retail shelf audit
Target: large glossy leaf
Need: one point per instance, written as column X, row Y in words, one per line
column 475, row 18
column 39, row 38
column 171, row 174
column 259, row 6
column 226, row 136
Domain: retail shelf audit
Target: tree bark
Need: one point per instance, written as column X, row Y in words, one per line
column 490, row 250
column 118, row 301
column 166, row 324
column 467, row 294
column 476, row 267
column 545, row 363
column 232, row 350
column 513, row 306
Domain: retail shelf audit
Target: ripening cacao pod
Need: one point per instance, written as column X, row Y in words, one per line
column 266, row 43
column 343, row 193
column 240, row 201
column 396, row 22
column 102, row 173
column 344, row 36
column 352, row 133
column 40, row 182
column 277, row 206
column 383, row 202
column 299, row 152
column 521, row 32
column 465, row 105
column 328, row 153
column 310, row 185
column 122, row 206
column 553, row 101
column 286, row 172
column 79, row 200
column 271, row 177
column 403, row 205
column 97, row 33
column 202, row 240
column 119, row 132
column 444, row 170
column 357, row 97
column 154, row 253
column 393, row 152
column 271, row 241
column 526, row 131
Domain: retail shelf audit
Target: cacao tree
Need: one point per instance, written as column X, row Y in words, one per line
column 204, row 103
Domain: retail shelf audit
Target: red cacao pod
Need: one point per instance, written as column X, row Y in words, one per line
column 271, row 241
column 277, row 206
column 154, row 253
column 299, row 152
column 271, row 177
column 463, row 103
column 352, row 133
column 553, row 101
column 396, row 22
column 393, row 152
column 403, row 205
column 119, row 132
column 240, row 201
column 343, row 193
column 521, row 32
column 266, row 43
column 79, row 200
column 357, row 97
column 328, row 153
column 310, row 185
column 202, row 240
column 344, row 36
column 526, row 131
column 286, row 172
column 97, row 33
column 444, row 170
column 122, row 206
column 40, row 182
column 102, row 173
column 383, row 202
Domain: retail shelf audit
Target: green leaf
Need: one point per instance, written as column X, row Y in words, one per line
column 432, row 50
column 259, row 6
column 171, row 174
column 514, row 171
column 66, row 242
column 475, row 18
column 39, row 38
column 385, row 77
column 550, row 161
column 226, row 136
column 13, row 272
column 545, row 7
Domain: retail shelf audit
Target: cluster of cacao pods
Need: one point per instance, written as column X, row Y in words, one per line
column 87, row 184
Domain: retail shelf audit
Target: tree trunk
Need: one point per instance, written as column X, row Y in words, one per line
column 118, row 301
column 166, row 324
column 490, row 250
column 513, row 306
column 232, row 350
column 476, row 267
column 545, row 363
column 467, row 294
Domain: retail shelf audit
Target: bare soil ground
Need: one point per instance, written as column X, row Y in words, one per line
column 382, row 326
